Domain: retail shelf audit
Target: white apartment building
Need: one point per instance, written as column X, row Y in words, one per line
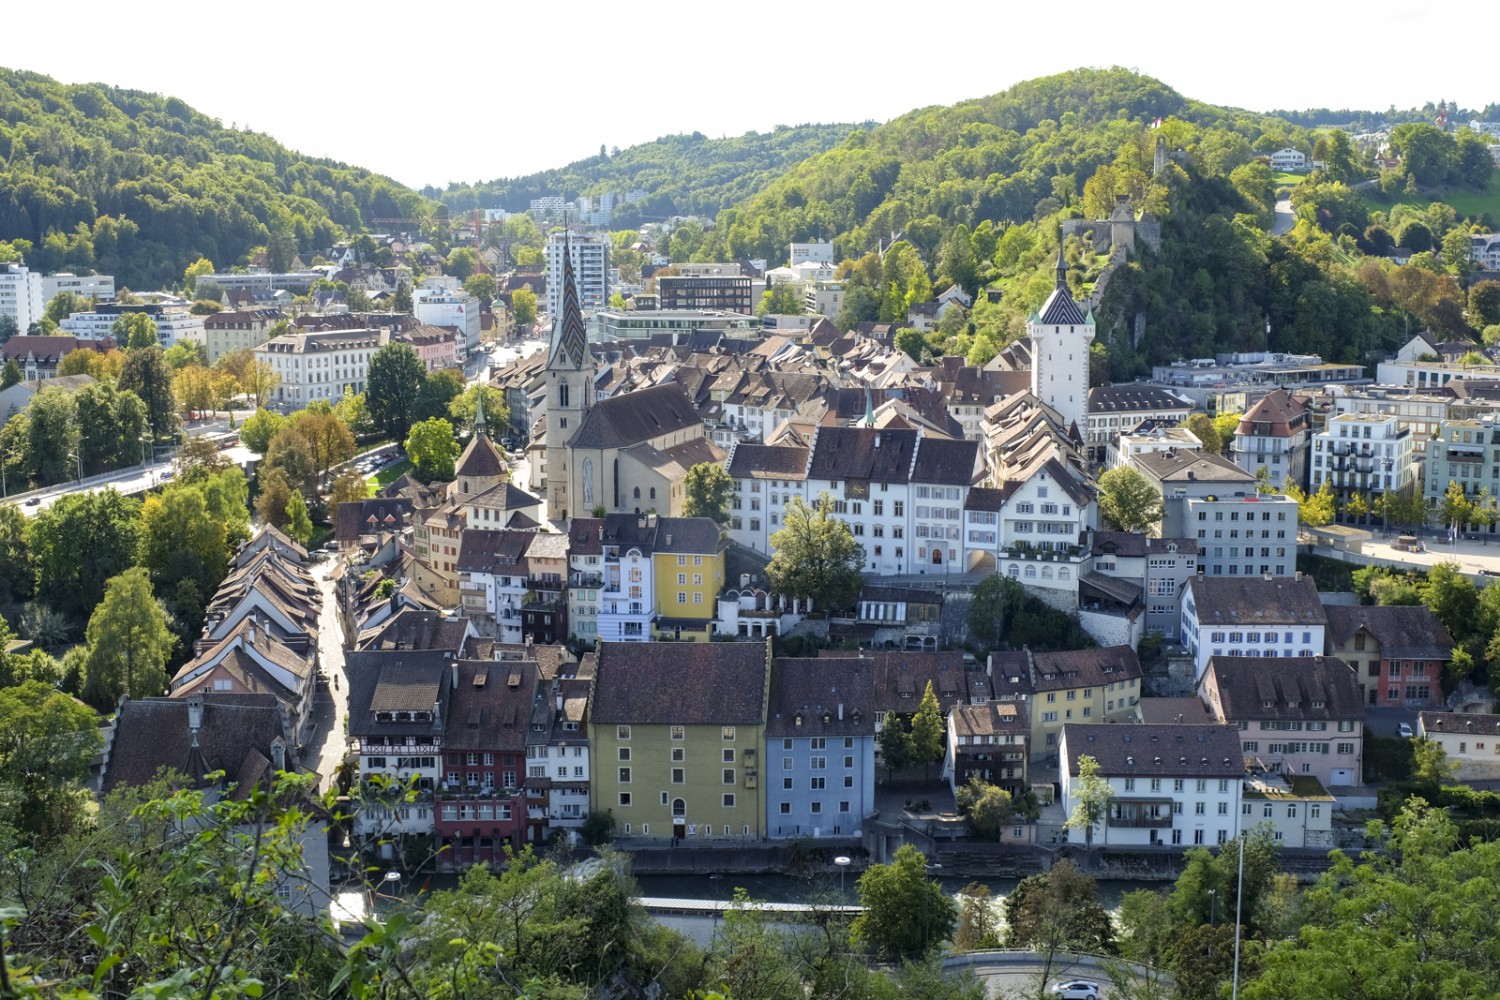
column 627, row 588
column 1251, row 616
column 1122, row 450
column 20, row 296
column 1115, row 410
column 98, row 287
column 801, row 253
column 1289, row 159
column 1274, row 435
column 901, row 492
column 1364, row 453
column 173, row 324
column 1244, row 534
column 1173, row 785
column 1297, row 809
column 456, row 309
column 590, row 273
column 320, row 365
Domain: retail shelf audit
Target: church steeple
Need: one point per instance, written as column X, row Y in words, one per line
column 569, row 337
column 479, row 426
column 1062, row 264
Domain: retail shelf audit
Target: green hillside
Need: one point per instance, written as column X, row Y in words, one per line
column 679, row 174
column 140, row 185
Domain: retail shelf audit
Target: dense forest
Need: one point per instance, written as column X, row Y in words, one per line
column 679, row 174
column 139, row 185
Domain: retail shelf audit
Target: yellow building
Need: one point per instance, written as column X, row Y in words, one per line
column 688, row 573
column 1082, row 685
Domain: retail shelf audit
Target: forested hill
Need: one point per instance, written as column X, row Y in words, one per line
column 679, row 174
column 140, row 185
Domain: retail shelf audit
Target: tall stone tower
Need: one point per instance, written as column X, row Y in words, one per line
column 570, row 391
column 1060, row 338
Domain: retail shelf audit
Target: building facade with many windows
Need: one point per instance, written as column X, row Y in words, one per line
column 319, row 365
column 820, row 748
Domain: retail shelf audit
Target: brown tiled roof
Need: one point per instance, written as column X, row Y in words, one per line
column 954, row 463
column 394, row 680
column 633, row 417
column 901, row 677
column 490, row 708
column 1173, row 466
column 832, row 697
column 1284, row 687
column 1077, row 668
column 690, row 683
column 768, row 461
column 1253, row 600
column 1134, row 398
column 1404, row 632
column 481, row 459
column 863, row 453
column 993, row 718
column 493, row 551
column 1480, row 724
column 1284, row 414
column 1211, row 751
column 364, row 517
column 152, row 733
column 585, row 536
column 411, row 628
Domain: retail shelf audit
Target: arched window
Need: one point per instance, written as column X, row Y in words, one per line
column 937, row 557
column 1046, row 572
column 637, row 493
column 1031, row 572
column 562, row 394
column 1063, row 573
column 679, row 807
column 653, row 493
column 1013, row 571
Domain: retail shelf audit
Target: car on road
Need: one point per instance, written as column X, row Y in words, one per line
column 34, row 502
column 1404, row 731
column 1075, row 989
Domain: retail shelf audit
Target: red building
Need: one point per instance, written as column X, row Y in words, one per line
column 480, row 802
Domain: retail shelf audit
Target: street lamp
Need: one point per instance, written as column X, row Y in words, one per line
column 1213, row 901
column 843, row 861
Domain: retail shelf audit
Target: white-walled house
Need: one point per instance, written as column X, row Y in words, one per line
column 1173, row 786
column 1251, row 616
column 1471, row 741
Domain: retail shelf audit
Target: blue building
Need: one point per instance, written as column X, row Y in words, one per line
column 820, row 748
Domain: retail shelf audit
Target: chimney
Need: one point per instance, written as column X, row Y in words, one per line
column 841, row 711
column 1268, row 577
column 1299, row 576
column 278, row 754
column 437, row 716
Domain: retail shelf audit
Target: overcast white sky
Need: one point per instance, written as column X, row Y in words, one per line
column 461, row 90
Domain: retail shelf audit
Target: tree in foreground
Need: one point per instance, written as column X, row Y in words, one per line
column 1202, row 426
column 47, row 742
column 128, row 642
column 1093, row 794
column 906, row 914
column 815, row 556
column 1128, row 501
column 978, row 921
column 708, row 487
column 523, row 304
column 1058, row 910
column 395, row 378
column 432, row 449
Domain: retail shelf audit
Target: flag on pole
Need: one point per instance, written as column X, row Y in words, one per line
column 1156, row 124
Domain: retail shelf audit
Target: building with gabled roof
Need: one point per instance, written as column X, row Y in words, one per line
column 1102, row 684
column 821, row 725
column 1173, row 786
column 1397, row 652
column 1060, row 335
column 1251, row 616
column 1275, row 434
column 1296, row 715
column 989, row 742
column 1116, row 409
column 680, row 739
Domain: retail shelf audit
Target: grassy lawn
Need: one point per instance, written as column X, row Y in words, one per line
column 391, row 473
column 1283, row 179
column 1465, row 203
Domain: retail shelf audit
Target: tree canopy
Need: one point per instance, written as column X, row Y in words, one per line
column 815, row 556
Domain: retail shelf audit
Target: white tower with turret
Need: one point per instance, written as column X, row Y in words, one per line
column 1060, row 337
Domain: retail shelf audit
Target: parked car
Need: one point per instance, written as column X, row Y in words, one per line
column 1404, row 731
column 1076, row 989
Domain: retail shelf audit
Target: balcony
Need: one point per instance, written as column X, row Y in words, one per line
column 591, row 581
column 1140, row 814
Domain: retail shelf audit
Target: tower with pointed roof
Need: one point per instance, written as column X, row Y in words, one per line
column 1060, row 337
column 482, row 465
column 570, row 388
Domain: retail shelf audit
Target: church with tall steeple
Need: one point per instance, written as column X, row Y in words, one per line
column 1060, row 335
column 570, row 390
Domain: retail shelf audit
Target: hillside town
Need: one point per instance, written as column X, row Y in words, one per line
column 446, row 551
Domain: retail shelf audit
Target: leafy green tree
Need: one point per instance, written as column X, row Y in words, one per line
column 906, row 915
column 784, row 299
column 927, row 729
column 438, row 393
column 1356, row 507
column 290, row 453
column 328, row 438
column 1058, row 911
column 1093, row 793
column 461, row 263
column 128, row 642
column 273, row 497
column 432, row 449
column 298, row 523
column 47, row 744
column 79, row 542
column 1128, row 501
column 815, row 556
column 1452, row 597
column 111, row 426
column 52, row 419
column 184, row 353
column 1204, row 428
column 523, row 304
column 897, row 751
column 1456, row 508
column 133, row 331
column 354, row 413
column 463, row 410
column 146, row 374
column 11, row 374
column 987, row 807
column 978, row 923
column 259, row 428
column 995, row 602
column 709, row 488
column 200, row 268
column 1316, row 509
column 482, row 287
column 395, row 379
column 181, row 539
column 912, row 343
column 17, row 574
column 348, row 487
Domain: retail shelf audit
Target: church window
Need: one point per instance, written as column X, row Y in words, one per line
column 637, row 493
column 562, row 394
column 653, row 493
